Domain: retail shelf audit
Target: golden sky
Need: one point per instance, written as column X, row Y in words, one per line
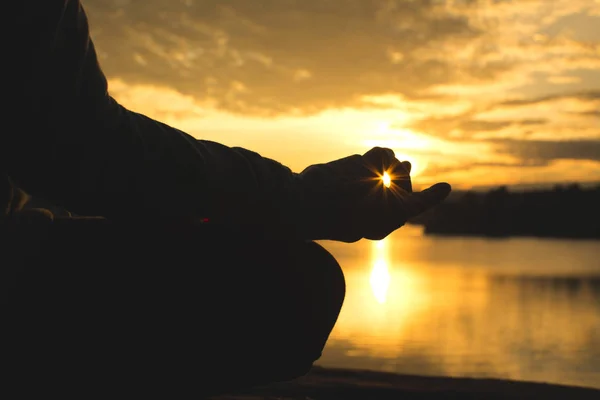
column 473, row 92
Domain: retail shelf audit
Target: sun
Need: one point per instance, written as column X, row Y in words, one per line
column 406, row 144
column 387, row 179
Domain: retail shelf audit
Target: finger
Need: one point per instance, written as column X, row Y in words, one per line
column 401, row 175
column 380, row 158
column 380, row 152
column 419, row 202
column 407, row 166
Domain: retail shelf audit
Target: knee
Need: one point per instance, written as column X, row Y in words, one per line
column 326, row 275
column 323, row 295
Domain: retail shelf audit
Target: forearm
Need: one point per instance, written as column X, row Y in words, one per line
column 173, row 175
column 131, row 166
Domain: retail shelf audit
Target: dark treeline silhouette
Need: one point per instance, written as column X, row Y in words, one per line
column 564, row 211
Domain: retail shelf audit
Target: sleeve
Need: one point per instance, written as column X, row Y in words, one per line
column 82, row 150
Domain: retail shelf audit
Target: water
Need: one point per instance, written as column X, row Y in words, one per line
column 519, row 308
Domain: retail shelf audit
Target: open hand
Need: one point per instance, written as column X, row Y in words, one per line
column 346, row 199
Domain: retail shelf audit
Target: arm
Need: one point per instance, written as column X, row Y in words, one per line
column 80, row 149
column 83, row 150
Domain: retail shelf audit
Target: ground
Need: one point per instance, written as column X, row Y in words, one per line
column 332, row 384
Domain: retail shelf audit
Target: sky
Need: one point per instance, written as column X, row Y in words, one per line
column 472, row 92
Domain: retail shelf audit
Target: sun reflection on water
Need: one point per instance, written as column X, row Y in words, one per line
column 382, row 299
column 380, row 280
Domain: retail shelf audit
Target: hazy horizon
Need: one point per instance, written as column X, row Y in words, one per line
column 476, row 93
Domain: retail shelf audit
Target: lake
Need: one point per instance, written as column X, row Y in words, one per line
column 517, row 308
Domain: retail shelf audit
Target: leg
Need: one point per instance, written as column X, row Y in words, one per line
column 286, row 325
column 103, row 306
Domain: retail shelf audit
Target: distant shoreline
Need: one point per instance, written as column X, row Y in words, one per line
column 569, row 212
column 333, row 384
column 429, row 232
column 507, row 236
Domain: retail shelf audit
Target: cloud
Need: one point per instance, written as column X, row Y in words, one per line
column 559, row 171
column 531, row 155
column 563, row 80
column 271, row 56
column 164, row 104
column 307, row 55
column 441, row 170
column 486, row 126
column 534, row 45
column 589, row 95
column 540, row 152
column 567, row 116
column 591, row 113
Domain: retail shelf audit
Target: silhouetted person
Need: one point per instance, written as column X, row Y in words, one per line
column 143, row 262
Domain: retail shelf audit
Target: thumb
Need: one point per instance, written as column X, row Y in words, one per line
column 422, row 201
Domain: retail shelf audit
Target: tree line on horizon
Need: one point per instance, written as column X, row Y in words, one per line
column 566, row 211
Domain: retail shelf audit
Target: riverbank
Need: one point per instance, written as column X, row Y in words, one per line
column 334, row 384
